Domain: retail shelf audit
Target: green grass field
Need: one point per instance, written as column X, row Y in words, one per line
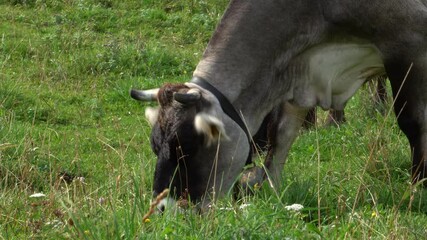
column 69, row 130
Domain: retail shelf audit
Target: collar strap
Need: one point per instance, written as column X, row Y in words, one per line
column 227, row 107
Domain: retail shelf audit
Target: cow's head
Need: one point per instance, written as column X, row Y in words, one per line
column 200, row 150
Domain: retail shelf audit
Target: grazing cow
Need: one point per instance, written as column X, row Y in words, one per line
column 299, row 53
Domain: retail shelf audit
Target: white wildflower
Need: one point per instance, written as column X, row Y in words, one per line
column 37, row 195
column 243, row 206
column 80, row 179
column 226, row 208
column 294, row 207
column 101, row 200
column 55, row 223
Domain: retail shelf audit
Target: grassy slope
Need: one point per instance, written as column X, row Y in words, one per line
column 65, row 71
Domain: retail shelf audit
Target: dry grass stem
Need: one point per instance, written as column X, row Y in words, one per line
column 154, row 204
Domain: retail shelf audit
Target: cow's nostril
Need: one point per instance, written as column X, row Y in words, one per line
column 166, row 204
column 162, row 208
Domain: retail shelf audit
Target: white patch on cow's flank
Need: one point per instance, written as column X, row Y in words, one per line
column 210, row 126
column 334, row 72
column 152, row 114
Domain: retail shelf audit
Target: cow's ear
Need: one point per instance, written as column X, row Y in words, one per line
column 152, row 114
column 210, row 126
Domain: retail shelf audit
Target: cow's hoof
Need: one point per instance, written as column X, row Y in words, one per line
column 251, row 180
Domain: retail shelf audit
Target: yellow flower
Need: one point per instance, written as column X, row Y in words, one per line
column 374, row 214
column 147, row 220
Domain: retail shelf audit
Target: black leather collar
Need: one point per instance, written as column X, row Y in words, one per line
column 228, row 109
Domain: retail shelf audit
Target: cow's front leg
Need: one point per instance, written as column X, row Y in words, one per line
column 283, row 134
column 409, row 85
column 282, row 128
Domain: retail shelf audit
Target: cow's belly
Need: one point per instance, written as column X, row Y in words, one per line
column 331, row 73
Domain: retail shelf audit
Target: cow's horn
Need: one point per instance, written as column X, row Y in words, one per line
column 185, row 98
column 144, row 95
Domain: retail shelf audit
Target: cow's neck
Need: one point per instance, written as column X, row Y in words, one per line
column 241, row 57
